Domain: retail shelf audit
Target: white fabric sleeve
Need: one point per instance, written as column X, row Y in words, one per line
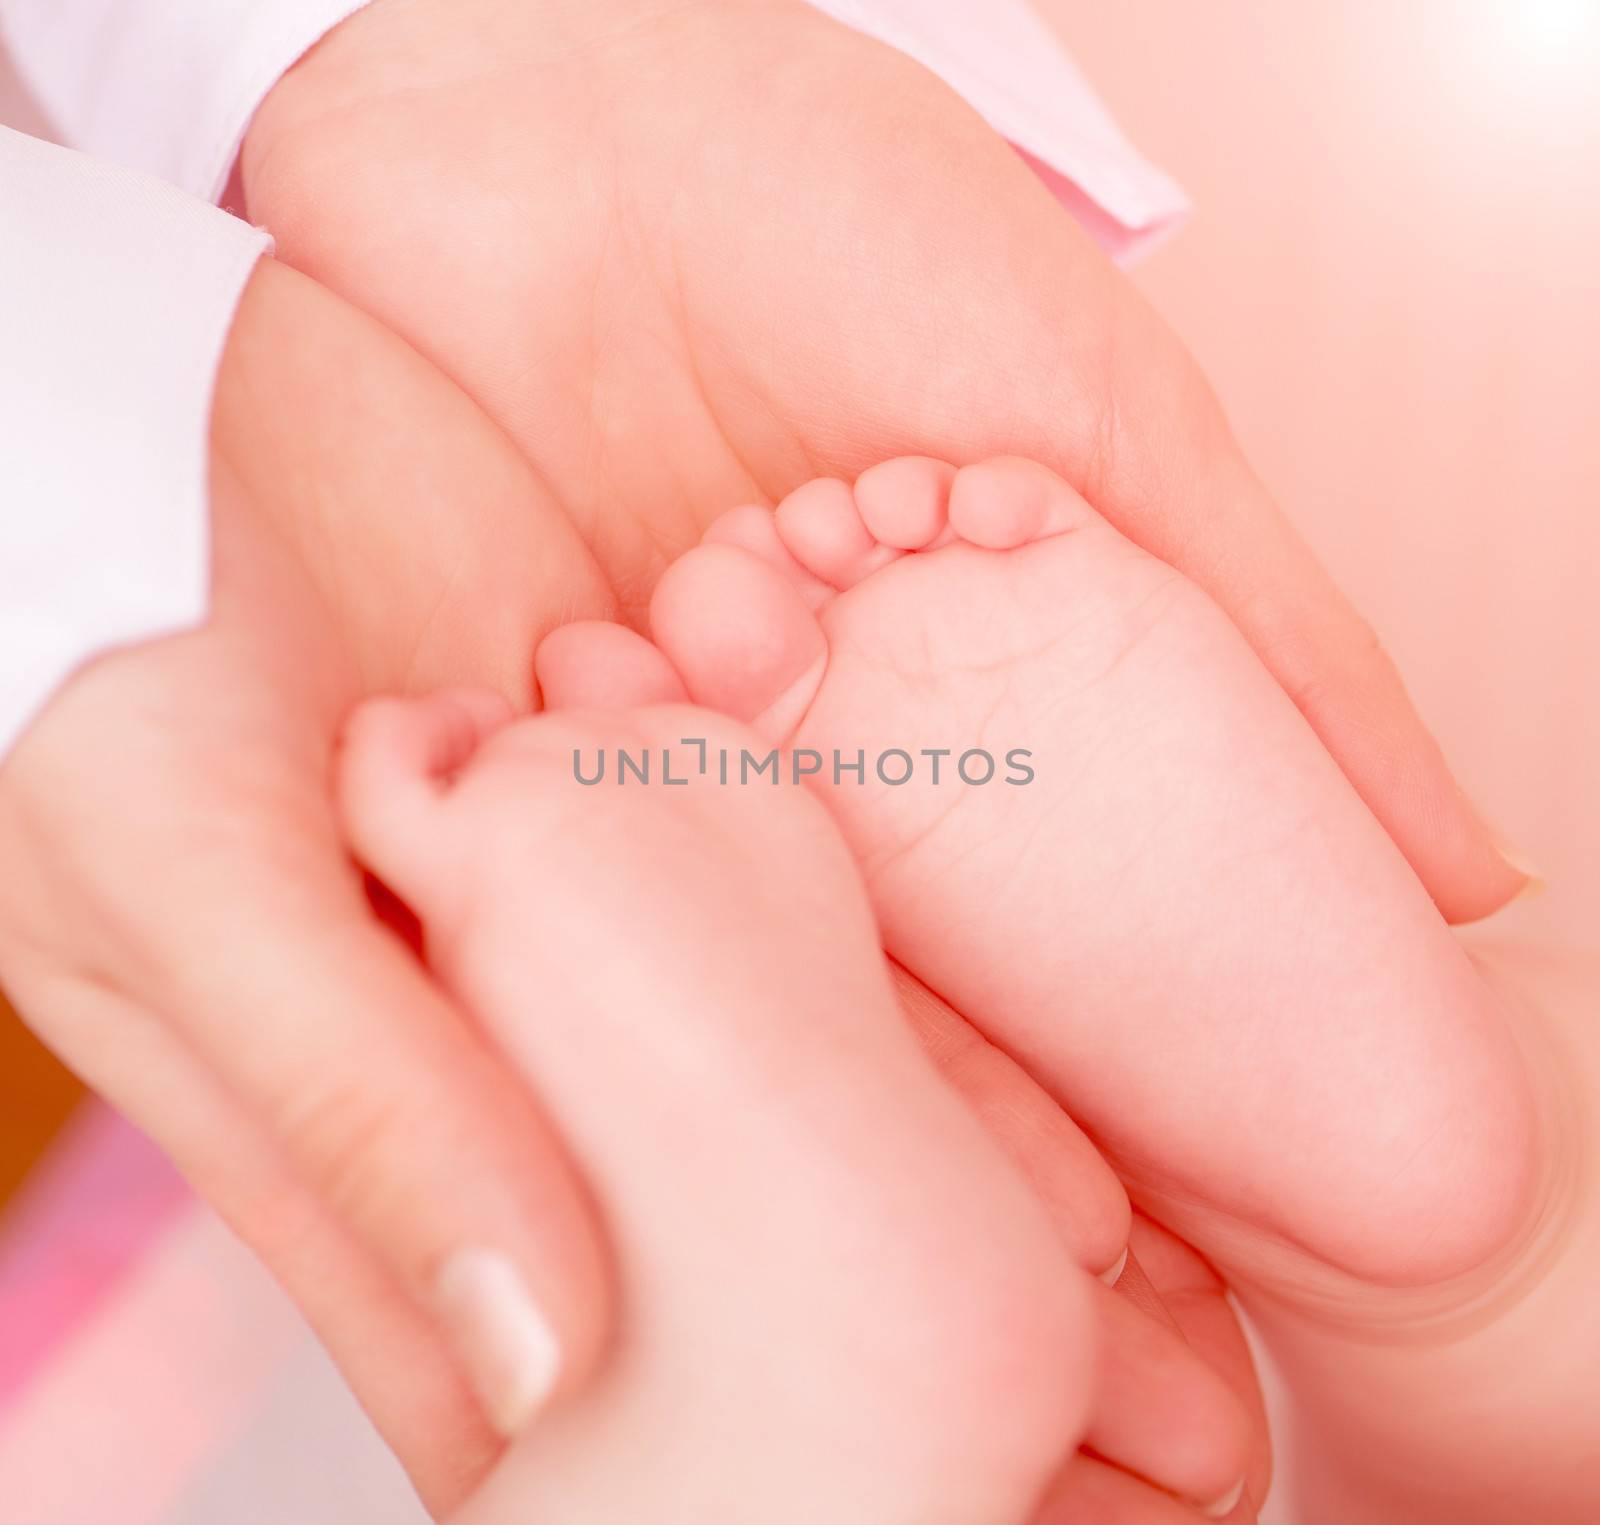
column 170, row 86
column 165, row 86
column 116, row 296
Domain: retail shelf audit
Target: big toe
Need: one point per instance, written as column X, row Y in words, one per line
column 755, row 529
column 1008, row 501
column 741, row 637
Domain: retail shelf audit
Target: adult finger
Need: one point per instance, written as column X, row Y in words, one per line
column 1084, row 1198
column 406, row 1126
column 251, row 942
column 1090, row 1491
column 390, row 1351
column 1196, row 1298
column 1163, row 1413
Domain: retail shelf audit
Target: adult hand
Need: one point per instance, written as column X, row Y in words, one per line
column 180, row 921
column 690, row 254
column 1164, row 1289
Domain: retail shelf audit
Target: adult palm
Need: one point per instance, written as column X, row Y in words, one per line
column 689, row 252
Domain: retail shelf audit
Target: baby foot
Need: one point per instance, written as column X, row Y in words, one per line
column 1091, row 821
column 832, row 1282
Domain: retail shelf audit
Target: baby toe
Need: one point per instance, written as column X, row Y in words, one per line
column 740, row 636
column 1009, row 501
column 903, row 502
column 824, row 531
column 754, row 529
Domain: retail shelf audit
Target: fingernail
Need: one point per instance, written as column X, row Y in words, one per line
column 1112, row 1276
column 1225, row 1505
column 1534, row 884
column 1507, row 851
column 511, row 1354
column 1531, row 890
column 1519, row 861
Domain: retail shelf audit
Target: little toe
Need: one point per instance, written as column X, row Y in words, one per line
column 1008, row 501
column 754, row 529
column 903, row 502
column 594, row 664
column 740, row 636
column 823, row 530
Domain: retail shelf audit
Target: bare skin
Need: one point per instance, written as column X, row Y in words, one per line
column 372, row 533
column 689, row 254
column 346, row 559
column 832, row 1281
column 1190, row 932
column 1482, row 1410
column 1138, row 910
column 351, row 486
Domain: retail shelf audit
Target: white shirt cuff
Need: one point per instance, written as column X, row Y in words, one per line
column 164, row 86
column 117, row 293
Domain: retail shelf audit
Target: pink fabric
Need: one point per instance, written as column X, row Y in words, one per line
column 1013, row 69
column 101, row 1199
column 151, row 1388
